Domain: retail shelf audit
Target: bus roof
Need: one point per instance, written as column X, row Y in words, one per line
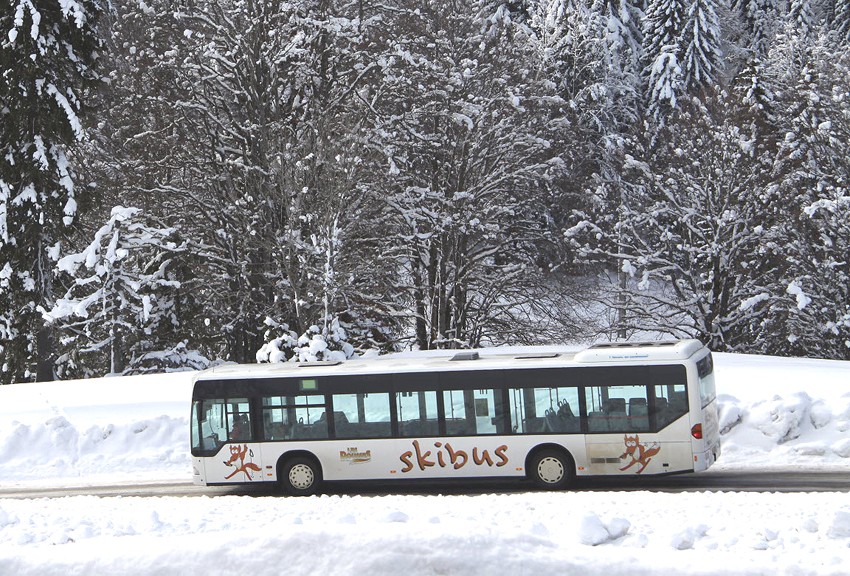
column 458, row 360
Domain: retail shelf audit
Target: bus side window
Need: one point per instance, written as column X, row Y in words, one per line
column 362, row 415
column 472, row 412
column 617, row 409
column 671, row 403
column 294, row 417
column 545, row 410
column 417, row 413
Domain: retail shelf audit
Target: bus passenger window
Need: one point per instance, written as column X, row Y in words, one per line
column 472, row 412
column 615, row 409
column 545, row 410
column 671, row 403
column 294, row 417
column 417, row 414
column 362, row 415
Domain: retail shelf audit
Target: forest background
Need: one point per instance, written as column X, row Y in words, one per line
column 188, row 182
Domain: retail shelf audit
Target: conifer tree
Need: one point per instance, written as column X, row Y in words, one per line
column 124, row 299
column 702, row 57
column 841, row 20
column 662, row 30
column 47, row 52
column 759, row 20
column 802, row 14
column 810, row 182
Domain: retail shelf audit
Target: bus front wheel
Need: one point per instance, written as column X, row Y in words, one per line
column 551, row 469
column 300, row 476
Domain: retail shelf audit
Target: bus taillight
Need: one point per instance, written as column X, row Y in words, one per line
column 696, row 431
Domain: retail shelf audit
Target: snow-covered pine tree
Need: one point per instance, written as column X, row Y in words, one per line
column 810, row 181
column 124, row 298
column 318, row 344
column 663, row 27
column 622, row 24
column 759, row 18
column 702, row 59
column 47, row 52
column 841, row 20
column 750, row 91
column 802, row 14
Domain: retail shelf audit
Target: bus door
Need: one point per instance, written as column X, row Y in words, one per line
column 228, row 423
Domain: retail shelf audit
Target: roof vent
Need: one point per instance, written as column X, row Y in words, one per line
column 537, row 355
column 318, row 363
column 467, row 355
column 633, row 344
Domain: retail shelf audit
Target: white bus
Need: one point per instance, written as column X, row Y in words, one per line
column 611, row 409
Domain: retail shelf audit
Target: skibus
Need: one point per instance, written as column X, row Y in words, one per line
column 610, row 409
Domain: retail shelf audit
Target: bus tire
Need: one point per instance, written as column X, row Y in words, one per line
column 300, row 476
column 551, row 469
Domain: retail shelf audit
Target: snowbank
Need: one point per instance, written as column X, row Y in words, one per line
column 788, row 413
column 589, row 533
column 101, row 429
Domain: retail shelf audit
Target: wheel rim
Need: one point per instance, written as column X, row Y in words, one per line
column 301, row 476
column 550, row 470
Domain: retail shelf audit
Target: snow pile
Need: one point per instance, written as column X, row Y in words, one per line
column 593, row 531
column 588, row 533
column 784, row 428
column 103, row 429
column 783, row 412
column 57, row 448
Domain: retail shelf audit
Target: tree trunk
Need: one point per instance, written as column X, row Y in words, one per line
column 46, row 355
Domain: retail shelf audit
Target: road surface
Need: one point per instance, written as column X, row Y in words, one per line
column 711, row 481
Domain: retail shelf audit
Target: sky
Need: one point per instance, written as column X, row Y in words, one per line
column 778, row 414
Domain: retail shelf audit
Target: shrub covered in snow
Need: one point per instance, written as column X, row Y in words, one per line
column 329, row 343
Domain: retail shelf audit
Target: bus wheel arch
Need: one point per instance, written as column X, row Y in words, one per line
column 299, row 473
column 550, row 466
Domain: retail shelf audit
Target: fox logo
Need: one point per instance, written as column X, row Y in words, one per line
column 638, row 453
column 239, row 453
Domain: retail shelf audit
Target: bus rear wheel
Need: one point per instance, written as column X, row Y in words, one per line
column 551, row 469
column 300, row 476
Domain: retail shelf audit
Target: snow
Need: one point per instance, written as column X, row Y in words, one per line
column 777, row 414
column 802, row 300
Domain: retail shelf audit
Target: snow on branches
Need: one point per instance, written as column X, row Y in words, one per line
column 123, row 288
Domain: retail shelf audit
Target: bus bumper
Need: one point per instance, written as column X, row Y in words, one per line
column 198, row 478
column 704, row 460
